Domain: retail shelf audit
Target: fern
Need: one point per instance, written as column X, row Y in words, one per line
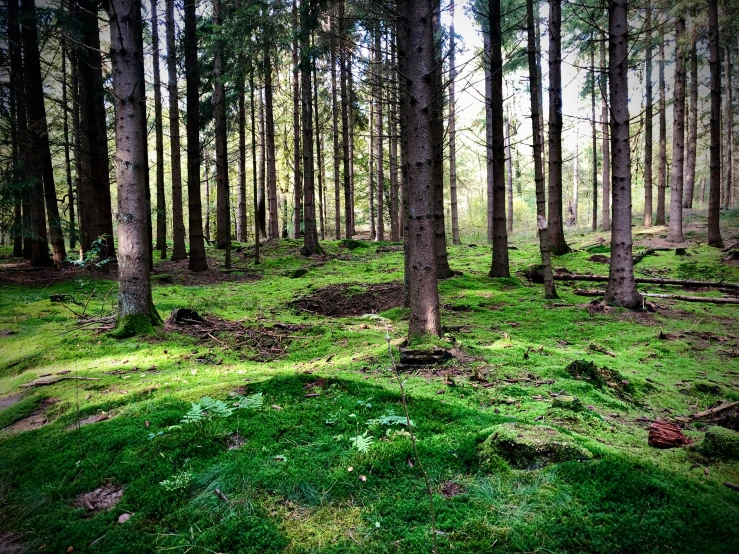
column 389, row 419
column 253, row 402
column 206, row 410
column 362, row 442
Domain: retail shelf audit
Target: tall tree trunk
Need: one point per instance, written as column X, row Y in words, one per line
column 310, row 238
column 595, row 137
column 692, row 148
column 254, row 171
column 261, row 166
column 241, row 224
column 350, row 86
column 675, row 230
column 297, row 185
column 319, row 156
column 379, row 153
column 223, row 211
column 178, row 224
column 452, row 132
column 509, row 170
column 556, row 223
column 416, row 52
column 662, row 168
column 488, row 134
column 729, row 181
column 648, row 124
column 67, row 158
column 206, row 160
column 76, row 132
column 338, row 149
column 38, row 160
column 21, row 242
column 197, row 261
column 159, row 136
column 576, row 177
column 443, row 271
column 541, row 209
column 371, row 166
column 714, row 194
column 395, row 224
column 344, row 84
column 136, row 311
column 621, row 288
column 605, row 145
column 269, row 138
column 500, row 265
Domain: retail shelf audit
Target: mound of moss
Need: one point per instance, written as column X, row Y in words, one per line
column 720, row 443
column 525, row 446
column 571, row 403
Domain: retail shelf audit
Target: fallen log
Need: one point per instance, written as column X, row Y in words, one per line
column 706, row 299
column 42, row 382
column 716, row 410
column 646, row 280
column 730, row 247
column 731, row 485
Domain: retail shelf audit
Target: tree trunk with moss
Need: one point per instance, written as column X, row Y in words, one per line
column 136, row 311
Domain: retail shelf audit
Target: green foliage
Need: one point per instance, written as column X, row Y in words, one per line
column 207, row 410
column 388, row 420
column 362, row 442
column 252, row 402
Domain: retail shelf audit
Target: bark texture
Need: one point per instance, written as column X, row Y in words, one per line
column 269, row 138
column 489, row 135
column 662, row 168
column 729, row 179
column 161, row 243
column 690, row 160
column 297, row 185
column 648, row 121
column 675, row 230
column 605, row 143
column 452, row 132
column 714, row 194
column 223, row 210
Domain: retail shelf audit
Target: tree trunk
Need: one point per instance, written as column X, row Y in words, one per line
column 662, row 168
column 379, row 154
column 371, row 165
column 38, row 159
column 136, row 311
column 223, row 211
column 206, row 161
column 395, row 225
column 255, row 178
column 489, row 134
column 344, row 84
column 269, row 138
column 729, row 181
column 350, row 200
column 452, row 132
column 310, row 237
column 417, row 71
column 319, row 156
column 76, row 132
column 437, row 108
column 21, row 242
column 595, row 138
column 714, row 194
column 509, row 171
column 178, row 224
column 605, row 144
column 261, row 166
column 675, row 230
column 621, row 290
column 556, row 223
column 297, row 186
column 541, row 209
column 576, row 178
column 197, row 261
column 690, row 161
column 500, row 265
column 67, row 158
column 338, row 149
column 241, row 224
column 648, row 124
column 161, row 243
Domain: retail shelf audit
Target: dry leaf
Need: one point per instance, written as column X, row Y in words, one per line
column 350, row 468
column 409, row 461
column 124, row 518
column 362, row 478
column 276, row 407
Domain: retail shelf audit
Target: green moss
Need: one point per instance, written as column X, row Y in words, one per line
column 720, row 443
column 566, row 402
column 136, row 324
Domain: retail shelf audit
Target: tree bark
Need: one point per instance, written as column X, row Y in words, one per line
column 690, row 161
column 338, row 149
column 452, row 132
column 241, row 224
column 310, row 237
column 395, row 225
column 556, row 223
column 255, row 178
column 350, row 86
column 509, row 171
column 261, row 166
column 345, row 108
column 197, row 261
column 223, row 211
column 161, row 242
column 417, row 70
column 729, row 180
column 576, row 177
column 178, row 224
column 500, row 265
column 648, row 120
column 621, row 288
column 675, row 230
column 541, row 208
column 595, row 137
column 605, row 144
column 714, row 194
column 67, row 158
column 206, row 161
column 379, row 153
column 136, row 311
column 489, row 134
column 371, row 165
column 319, row 157
column 21, row 239
column 269, row 138
column 297, row 185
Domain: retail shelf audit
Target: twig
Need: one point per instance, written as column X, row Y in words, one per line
column 218, row 341
column 429, row 490
column 220, row 495
column 731, row 486
column 730, row 247
column 716, row 410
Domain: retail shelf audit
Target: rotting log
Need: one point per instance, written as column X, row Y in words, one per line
column 716, row 410
column 705, row 299
column 42, row 382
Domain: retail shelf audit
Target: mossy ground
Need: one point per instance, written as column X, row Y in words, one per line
column 289, row 487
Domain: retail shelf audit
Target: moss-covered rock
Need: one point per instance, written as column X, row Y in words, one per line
column 525, row 446
column 568, row 403
column 720, row 443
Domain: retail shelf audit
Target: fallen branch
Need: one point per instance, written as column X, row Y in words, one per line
column 602, row 350
column 716, row 410
column 706, row 299
column 220, row 495
column 646, row 280
column 730, row 247
column 43, row 382
column 731, row 485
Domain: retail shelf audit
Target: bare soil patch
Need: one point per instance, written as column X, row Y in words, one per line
column 20, row 272
column 34, row 421
column 9, row 544
column 600, row 259
column 351, row 299
column 177, row 273
column 102, row 498
column 96, row 418
column 8, row 401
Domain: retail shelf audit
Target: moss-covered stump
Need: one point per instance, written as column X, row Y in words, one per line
column 720, row 443
column 525, row 446
column 571, row 403
column 136, row 324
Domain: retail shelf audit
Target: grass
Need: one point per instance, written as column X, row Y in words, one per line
column 289, row 486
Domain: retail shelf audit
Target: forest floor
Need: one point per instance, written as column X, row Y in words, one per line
column 315, row 457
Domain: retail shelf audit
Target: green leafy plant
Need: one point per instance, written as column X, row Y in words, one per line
column 205, row 413
column 388, row 420
column 177, row 482
column 362, row 442
column 252, row 402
